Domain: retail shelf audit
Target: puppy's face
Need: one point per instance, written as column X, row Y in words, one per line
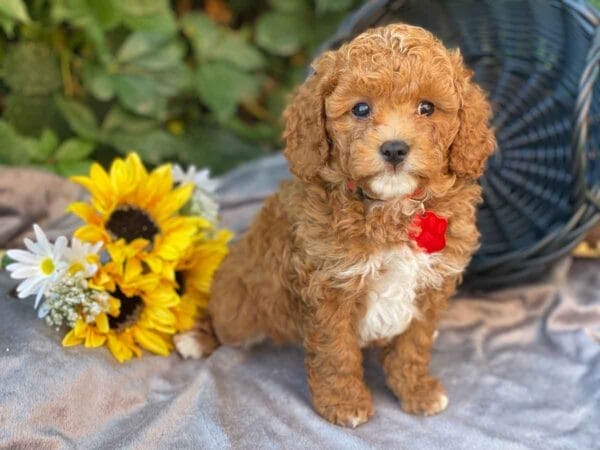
column 391, row 111
column 392, row 120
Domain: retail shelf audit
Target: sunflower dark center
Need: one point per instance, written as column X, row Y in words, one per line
column 129, row 311
column 130, row 222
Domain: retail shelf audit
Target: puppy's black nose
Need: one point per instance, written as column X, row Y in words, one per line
column 394, row 152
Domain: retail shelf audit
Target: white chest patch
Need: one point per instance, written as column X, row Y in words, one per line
column 393, row 280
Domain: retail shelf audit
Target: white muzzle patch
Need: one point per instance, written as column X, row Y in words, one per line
column 390, row 185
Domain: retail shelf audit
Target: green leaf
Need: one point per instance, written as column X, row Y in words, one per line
column 327, row 6
column 222, row 87
column 144, row 44
column 45, row 147
column 141, row 95
column 11, row 12
column 14, row 9
column 103, row 14
column 215, row 43
column 8, row 25
column 71, row 168
column 154, row 146
column 74, row 150
column 97, row 81
column 149, row 69
column 217, row 148
column 81, row 119
column 31, row 68
column 15, row 149
column 150, row 15
column 257, row 132
column 129, row 132
column 282, row 34
column 30, row 114
column 94, row 17
column 5, row 261
column 291, row 6
column 119, row 120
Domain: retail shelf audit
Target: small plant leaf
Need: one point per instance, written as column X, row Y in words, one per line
column 221, row 87
column 282, row 34
column 15, row 149
column 46, row 146
column 329, row 6
column 81, row 119
column 71, row 168
column 141, row 95
column 14, row 9
column 212, row 42
column 74, row 150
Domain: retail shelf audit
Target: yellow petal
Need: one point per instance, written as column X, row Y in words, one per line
column 70, row 339
column 97, row 184
column 104, row 193
column 80, row 329
column 120, row 351
column 158, row 314
column 91, row 233
column 85, row 212
column 163, row 296
column 93, row 339
column 114, row 306
column 158, row 184
column 174, row 201
column 102, row 323
column 167, row 329
column 150, row 341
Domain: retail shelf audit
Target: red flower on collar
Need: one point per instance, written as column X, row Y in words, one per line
column 431, row 235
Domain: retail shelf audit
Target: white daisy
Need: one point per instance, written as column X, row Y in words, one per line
column 200, row 178
column 39, row 266
column 81, row 257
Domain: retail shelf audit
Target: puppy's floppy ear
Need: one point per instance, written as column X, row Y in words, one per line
column 475, row 141
column 307, row 143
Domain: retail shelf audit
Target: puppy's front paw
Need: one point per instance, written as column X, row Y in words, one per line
column 195, row 344
column 354, row 409
column 188, row 345
column 426, row 398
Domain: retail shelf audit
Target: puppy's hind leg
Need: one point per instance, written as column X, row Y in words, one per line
column 198, row 342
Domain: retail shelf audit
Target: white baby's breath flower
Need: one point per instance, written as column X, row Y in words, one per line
column 199, row 178
column 204, row 205
column 69, row 299
column 82, row 258
column 202, row 202
column 38, row 266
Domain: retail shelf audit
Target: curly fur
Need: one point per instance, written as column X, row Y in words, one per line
column 335, row 271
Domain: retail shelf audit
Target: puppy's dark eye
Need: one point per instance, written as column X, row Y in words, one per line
column 425, row 108
column 361, row 110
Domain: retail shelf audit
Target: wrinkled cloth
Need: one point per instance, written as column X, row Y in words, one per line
column 521, row 367
column 29, row 196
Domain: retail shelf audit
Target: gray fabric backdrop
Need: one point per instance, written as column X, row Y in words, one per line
column 521, row 366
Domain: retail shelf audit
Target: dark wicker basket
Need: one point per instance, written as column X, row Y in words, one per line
column 538, row 60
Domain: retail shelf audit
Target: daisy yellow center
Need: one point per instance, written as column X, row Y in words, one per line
column 47, row 266
column 130, row 222
column 76, row 267
column 128, row 313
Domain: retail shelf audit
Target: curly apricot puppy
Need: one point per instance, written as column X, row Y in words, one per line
column 388, row 126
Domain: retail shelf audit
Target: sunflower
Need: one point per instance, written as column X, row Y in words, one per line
column 194, row 277
column 134, row 213
column 140, row 318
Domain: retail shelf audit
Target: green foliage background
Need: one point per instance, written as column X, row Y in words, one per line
column 200, row 82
